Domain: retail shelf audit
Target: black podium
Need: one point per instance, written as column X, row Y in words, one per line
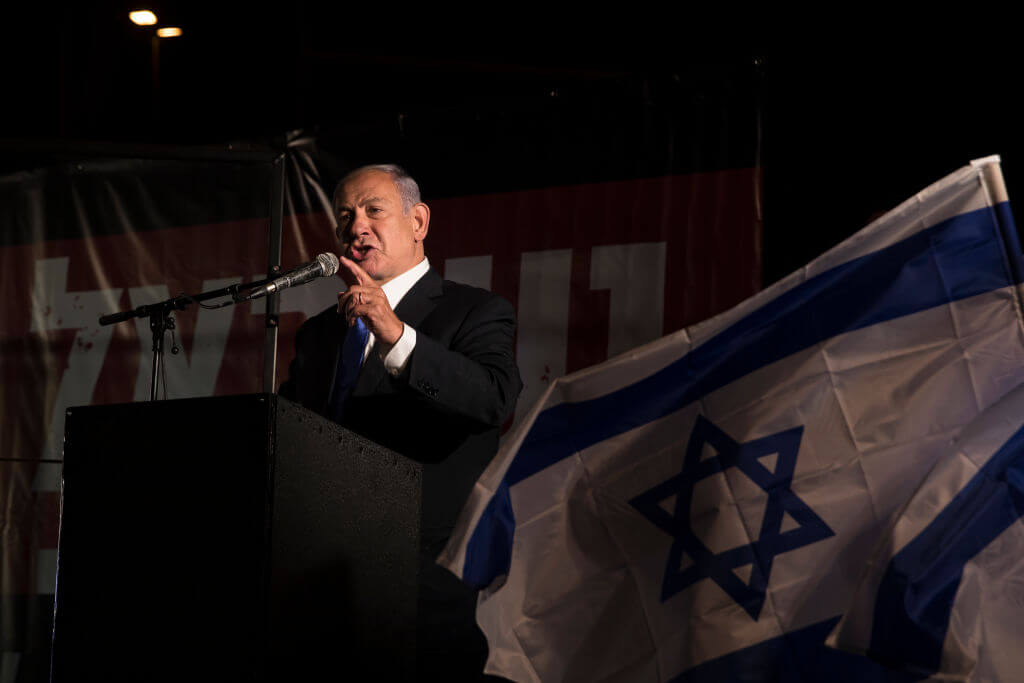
column 237, row 538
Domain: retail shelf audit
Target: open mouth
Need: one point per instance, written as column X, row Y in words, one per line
column 360, row 252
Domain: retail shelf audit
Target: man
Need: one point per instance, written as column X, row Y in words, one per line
column 436, row 381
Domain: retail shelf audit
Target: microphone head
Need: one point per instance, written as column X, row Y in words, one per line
column 329, row 263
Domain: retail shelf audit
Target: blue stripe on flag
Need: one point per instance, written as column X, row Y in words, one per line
column 490, row 546
column 797, row 656
column 915, row 598
column 966, row 255
column 953, row 260
column 1011, row 238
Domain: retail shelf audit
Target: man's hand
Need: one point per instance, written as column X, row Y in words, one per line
column 365, row 299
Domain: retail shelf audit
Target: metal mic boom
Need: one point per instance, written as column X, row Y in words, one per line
column 325, row 265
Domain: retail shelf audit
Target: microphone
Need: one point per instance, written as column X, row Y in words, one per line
column 326, row 265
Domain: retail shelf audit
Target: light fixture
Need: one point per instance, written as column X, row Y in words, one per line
column 142, row 17
column 168, row 32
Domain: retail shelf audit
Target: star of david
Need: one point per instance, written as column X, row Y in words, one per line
column 752, row 458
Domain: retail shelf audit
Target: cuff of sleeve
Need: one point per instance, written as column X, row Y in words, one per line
column 398, row 357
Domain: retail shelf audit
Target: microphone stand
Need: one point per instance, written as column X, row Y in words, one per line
column 161, row 319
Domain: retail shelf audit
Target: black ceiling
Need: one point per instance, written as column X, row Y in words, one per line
column 83, row 71
column 498, row 97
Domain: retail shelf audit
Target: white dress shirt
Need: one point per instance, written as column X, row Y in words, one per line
column 397, row 357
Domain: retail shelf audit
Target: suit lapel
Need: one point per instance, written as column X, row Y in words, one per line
column 414, row 307
column 419, row 301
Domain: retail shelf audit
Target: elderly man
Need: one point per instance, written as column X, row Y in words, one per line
column 420, row 365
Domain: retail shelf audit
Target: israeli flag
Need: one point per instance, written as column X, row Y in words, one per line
column 945, row 592
column 701, row 509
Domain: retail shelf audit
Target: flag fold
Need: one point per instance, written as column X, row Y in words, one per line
column 945, row 592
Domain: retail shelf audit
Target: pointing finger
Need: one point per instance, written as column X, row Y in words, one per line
column 356, row 275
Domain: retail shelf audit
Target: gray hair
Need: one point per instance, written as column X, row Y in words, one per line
column 407, row 188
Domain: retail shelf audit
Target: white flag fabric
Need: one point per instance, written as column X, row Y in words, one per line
column 701, row 509
column 945, row 593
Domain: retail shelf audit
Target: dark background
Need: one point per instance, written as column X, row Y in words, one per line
column 479, row 102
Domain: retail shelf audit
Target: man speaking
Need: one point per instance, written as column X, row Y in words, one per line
column 422, row 366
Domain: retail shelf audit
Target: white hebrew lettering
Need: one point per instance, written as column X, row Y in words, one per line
column 46, row 571
column 635, row 274
column 55, row 308
column 543, row 338
column 188, row 374
column 9, row 666
column 310, row 298
column 469, row 270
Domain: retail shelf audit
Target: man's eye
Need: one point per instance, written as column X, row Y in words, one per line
column 343, row 223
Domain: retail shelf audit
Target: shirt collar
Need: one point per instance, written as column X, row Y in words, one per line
column 397, row 288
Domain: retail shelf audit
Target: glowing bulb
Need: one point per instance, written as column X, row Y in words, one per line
column 168, row 32
column 142, row 17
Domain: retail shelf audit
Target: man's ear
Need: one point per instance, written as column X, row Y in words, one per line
column 421, row 221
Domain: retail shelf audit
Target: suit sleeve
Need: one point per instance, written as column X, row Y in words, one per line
column 476, row 376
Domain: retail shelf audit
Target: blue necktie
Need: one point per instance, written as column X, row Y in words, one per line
column 348, row 368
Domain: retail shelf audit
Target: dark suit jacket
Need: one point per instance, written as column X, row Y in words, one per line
column 445, row 410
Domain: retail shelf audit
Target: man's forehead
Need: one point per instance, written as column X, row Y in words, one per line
column 365, row 188
column 345, row 200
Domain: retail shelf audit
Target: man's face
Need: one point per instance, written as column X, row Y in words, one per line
column 374, row 231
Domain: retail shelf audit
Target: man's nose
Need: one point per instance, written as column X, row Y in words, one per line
column 360, row 225
column 354, row 228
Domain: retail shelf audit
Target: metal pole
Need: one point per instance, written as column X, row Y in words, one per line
column 273, row 268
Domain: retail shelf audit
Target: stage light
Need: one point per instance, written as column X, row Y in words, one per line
column 142, row 17
column 168, row 32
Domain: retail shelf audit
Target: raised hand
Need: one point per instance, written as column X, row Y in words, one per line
column 365, row 299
